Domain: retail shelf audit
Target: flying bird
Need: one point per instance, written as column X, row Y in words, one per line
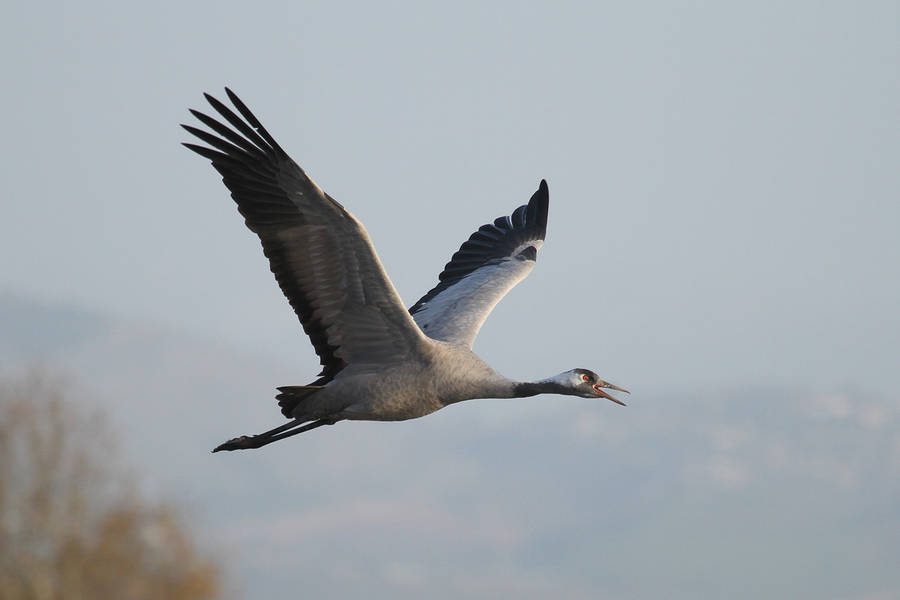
column 380, row 361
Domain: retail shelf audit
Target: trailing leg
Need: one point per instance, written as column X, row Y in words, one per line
column 245, row 442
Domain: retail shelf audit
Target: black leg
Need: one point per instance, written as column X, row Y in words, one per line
column 246, row 442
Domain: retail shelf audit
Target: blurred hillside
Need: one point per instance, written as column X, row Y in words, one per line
column 73, row 524
column 740, row 492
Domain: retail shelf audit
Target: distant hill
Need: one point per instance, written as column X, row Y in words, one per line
column 739, row 493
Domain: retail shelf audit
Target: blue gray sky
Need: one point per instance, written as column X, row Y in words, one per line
column 723, row 177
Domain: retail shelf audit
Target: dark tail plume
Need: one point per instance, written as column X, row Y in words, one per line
column 290, row 396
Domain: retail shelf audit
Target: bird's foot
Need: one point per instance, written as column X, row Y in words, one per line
column 239, row 443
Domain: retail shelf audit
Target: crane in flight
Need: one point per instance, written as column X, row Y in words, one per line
column 380, row 361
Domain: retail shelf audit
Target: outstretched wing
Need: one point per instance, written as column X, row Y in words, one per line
column 489, row 264
column 320, row 254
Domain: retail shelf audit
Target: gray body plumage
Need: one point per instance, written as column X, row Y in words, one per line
column 380, row 361
column 438, row 375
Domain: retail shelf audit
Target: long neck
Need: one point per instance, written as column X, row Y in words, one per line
column 551, row 385
column 468, row 377
column 498, row 386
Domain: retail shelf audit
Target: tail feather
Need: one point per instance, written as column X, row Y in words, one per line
column 292, row 395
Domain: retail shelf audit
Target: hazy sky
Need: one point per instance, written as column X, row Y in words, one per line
column 724, row 176
column 725, row 201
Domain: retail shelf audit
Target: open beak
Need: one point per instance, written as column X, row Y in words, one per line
column 598, row 387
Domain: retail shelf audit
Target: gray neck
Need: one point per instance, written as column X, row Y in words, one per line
column 544, row 386
column 480, row 381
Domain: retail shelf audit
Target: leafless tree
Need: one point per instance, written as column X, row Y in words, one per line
column 72, row 524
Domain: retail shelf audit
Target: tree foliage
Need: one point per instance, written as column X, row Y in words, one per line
column 72, row 524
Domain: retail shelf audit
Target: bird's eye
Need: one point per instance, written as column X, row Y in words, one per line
column 585, row 378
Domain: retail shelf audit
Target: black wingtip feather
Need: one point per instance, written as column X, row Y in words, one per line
column 204, row 151
column 541, row 200
column 251, row 118
column 240, row 125
column 227, row 133
column 215, row 142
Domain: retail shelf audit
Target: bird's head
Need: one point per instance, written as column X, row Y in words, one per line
column 585, row 383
